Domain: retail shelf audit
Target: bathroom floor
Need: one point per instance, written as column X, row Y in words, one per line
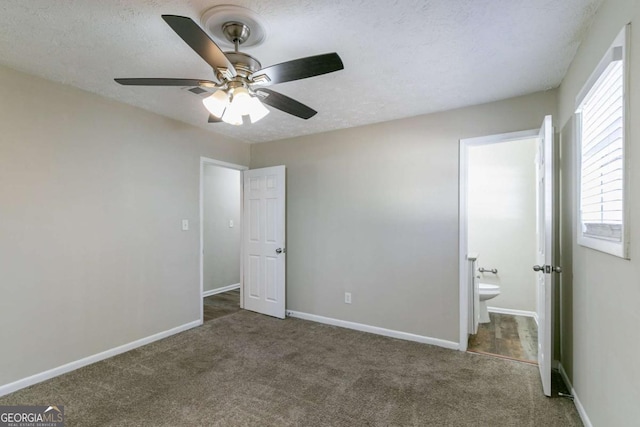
column 513, row 337
column 220, row 305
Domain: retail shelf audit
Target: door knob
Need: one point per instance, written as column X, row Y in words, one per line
column 547, row 269
column 281, row 250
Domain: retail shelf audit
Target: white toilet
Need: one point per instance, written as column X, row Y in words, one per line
column 486, row 292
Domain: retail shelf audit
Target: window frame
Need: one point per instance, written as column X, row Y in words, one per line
column 621, row 248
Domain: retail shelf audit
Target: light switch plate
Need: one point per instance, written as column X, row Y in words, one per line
column 230, row 223
column 185, row 224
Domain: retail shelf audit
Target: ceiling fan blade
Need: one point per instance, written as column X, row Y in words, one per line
column 199, row 41
column 165, row 82
column 286, row 104
column 301, row 68
column 214, row 119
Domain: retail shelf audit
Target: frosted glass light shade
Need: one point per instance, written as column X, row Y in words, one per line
column 233, row 114
column 216, row 103
column 241, row 99
column 243, row 104
column 232, row 117
column 257, row 110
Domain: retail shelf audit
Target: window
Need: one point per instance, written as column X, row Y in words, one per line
column 601, row 139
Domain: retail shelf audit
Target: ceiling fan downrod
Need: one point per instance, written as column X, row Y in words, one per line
column 236, row 32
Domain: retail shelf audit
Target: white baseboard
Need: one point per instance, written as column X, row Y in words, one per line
column 72, row 366
column 220, row 290
column 514, row 312
column 374, row 330
column 576, row 400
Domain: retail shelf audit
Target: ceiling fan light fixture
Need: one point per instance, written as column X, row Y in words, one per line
column 238, row 96
column 241, row 99
column 243, row 104
column 237, row 106
column 217, row 103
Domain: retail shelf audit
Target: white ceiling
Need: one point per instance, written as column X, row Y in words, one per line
column 402, row 58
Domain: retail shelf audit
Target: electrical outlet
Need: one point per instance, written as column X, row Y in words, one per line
column 230, row 223
column 347, row 297
column 185, row 225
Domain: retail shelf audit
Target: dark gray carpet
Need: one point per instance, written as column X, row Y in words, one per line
column 246, row 369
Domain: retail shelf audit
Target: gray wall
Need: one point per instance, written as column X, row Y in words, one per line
column 601, row 300
column 501, row 207
column 221, row 193
column 374, row 211
column 92, row 194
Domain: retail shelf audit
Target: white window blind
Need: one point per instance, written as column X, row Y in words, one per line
column 602, row 164
column 601, row 140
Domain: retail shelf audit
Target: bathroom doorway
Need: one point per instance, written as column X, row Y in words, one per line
column 505, row 192
column 221, row 238
column 501, row 230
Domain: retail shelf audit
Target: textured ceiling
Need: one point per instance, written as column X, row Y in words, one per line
column 402, row 57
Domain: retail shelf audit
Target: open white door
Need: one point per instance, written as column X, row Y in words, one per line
column 546, row 256
column 264, row 237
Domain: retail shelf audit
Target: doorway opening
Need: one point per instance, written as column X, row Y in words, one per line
column 259, row 262
column 501, row 232
column 476, row 293
column 220, row 238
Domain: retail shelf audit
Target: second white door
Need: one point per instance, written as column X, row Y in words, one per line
column 264, row 256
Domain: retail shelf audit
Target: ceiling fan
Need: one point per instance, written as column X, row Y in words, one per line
column 240, row 87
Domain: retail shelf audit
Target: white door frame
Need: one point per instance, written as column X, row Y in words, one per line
column 213, row 162
column 463, row 264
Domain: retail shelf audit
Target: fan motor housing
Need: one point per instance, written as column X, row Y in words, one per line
column 244, row 64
